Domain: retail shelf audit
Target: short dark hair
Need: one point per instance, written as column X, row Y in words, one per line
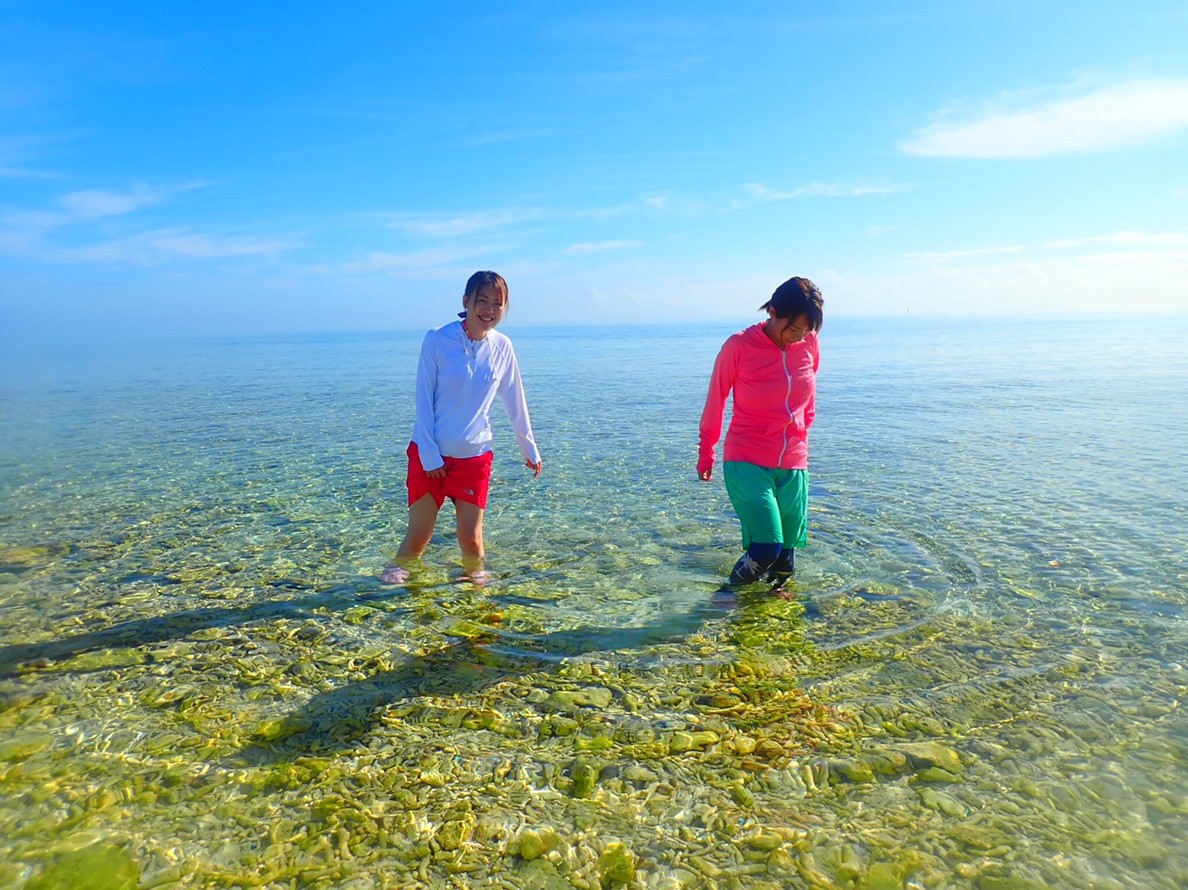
column 796, row 297
column 479, row 279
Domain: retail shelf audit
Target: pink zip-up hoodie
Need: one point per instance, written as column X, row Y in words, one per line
column 774, row 401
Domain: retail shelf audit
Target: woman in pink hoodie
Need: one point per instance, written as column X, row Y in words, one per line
column 771, row 368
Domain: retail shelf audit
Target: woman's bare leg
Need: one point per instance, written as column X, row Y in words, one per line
column 422, row 519
column 470, row 536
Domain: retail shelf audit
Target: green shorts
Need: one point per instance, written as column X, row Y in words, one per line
column 771, row 504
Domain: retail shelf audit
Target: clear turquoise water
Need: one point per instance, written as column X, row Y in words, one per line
column 199, row 672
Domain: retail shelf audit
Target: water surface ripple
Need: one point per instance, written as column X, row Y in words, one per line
column 977, row 682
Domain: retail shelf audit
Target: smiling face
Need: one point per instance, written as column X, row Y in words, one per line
column 484, row 310
column 783, row 332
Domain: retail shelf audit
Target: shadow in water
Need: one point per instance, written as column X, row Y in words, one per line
column 339, row 718
column 25, row 657
column 342, row 717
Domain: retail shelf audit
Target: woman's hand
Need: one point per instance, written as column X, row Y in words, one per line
column 439, row 473
column 705, row 467
column 534, row 467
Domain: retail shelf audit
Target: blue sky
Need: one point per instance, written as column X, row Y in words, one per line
column 238, row 167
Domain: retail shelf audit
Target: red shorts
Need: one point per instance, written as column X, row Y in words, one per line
column 466, row 479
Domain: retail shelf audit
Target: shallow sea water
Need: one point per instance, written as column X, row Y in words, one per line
column 977, row 682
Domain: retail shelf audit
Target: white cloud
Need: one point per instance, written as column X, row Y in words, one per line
column 599, row 247
column 23, row 173
column 93, row 204
column 65, row 234
column 463, row 224
column 90, row 205
column 385, row 261
column 165, row 245
column 1116, row 282
column 505, row 136
column 1085, row 249
column 760, row 192
column 1107, row 118
column 17, row 152
column 949, row 256
column 1126, row 272
column 1124, row 239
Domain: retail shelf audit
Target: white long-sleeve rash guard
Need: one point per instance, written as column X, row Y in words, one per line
column 457, row 380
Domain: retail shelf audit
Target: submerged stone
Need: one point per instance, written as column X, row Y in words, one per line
column 24, row 746
column 766, row 841
column 976, row 837
column 98, row 867
column 926, row 754
column 585, row 777
column 744, row 745
column 358, row 614
column 532, row 845
column 540, row 874
column 886, row 763
column 769, row 750
column 742, row 796
column 557, row 725
column 616, row 866
column 280, row 729
column 680, row 742
column 1028, row 788
column 105, row 659
column 1008, row 882
column 882, row 876
column 598, row 743
column 587, row 697
column 27, row 557
column 937, row 775
column 846, row 862
column 781, row 862
column 942, row 803
column 20, row 698
column 639, row 775
column 454, row 833
column 852, row 770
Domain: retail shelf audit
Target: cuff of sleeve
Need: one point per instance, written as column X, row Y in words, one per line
column 530, row 452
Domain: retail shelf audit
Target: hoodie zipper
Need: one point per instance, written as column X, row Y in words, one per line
column 787, row 405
